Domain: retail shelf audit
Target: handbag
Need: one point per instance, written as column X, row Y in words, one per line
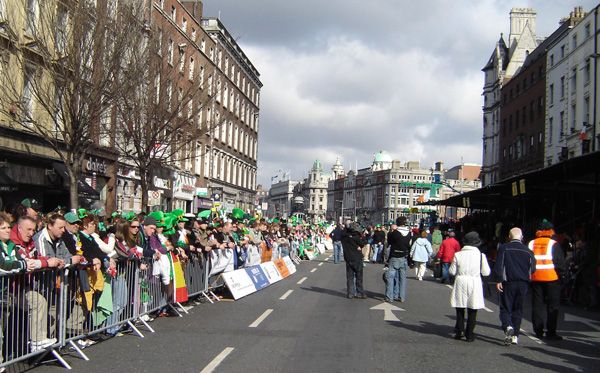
column 437, row 269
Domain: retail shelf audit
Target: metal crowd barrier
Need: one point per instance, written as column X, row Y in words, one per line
column 30, row 309
column 43, row 311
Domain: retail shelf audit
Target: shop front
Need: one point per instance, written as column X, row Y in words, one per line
column 184, row 186
column 99, row 170
column 129, row 190
column 160, row 193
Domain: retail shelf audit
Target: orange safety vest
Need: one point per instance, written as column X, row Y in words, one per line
column 544, row 265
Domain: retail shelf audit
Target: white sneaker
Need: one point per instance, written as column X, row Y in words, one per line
column 83, row 344
column 514, row 340
column 509, row 334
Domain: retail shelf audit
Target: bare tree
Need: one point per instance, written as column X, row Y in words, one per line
column 161, row 120
column 67, row 70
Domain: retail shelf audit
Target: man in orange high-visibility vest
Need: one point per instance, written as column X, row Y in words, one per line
column 550, row 267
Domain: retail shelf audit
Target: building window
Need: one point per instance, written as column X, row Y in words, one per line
column 550, row 130
column 586, row 72
column 170, row 52
column 574, row 41
column 562, row 51
column 551, row 94
column 184, row 24
column 587, row 31
column 586, row 110
column 574, row 117
column 33, row 15
column 574, row 80
column 193, row 34
column 551, row 60
column 191, row 69
column 562, row 87
column 173, row 13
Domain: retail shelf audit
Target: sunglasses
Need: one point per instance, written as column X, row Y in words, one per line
column 134, row 226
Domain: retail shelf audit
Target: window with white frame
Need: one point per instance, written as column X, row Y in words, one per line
column 199, row 115
column 190, row 108
column 206, row 156
column 179, row 101
column 230, row 134
column 170, row 52
column 208, row 119
column 217, row 124
column 223, row 131
column 228, row 173
column 198, row 159
column 173, row 13
column 181, row 62
column 184, row 24
column 32, row 17
column 201, row 77
column 235, row 138
column 225, row 95
column 191, row 69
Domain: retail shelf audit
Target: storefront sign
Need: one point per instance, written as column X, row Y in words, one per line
column 184, row 186
column 161, row 183
column 94, row 165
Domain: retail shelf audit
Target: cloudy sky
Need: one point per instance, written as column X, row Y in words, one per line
column 350, row 78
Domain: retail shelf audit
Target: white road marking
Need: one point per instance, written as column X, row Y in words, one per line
column 314, row 269
column 287, row 293
column 217, row 360
column 488, row 309
column 261, row 318
column 450, row 286
column 328, row 258
column 532, row 337
column 320, row 264
column 388, row 308
column 301, row 281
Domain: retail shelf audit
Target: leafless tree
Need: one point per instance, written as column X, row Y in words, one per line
column 160, row 122
column 64, row 74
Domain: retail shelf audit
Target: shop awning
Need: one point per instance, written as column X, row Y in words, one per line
column 6, row 183
column 84, row 189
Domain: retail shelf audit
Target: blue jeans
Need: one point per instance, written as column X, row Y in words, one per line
column 396, row 279
column 445, row 274
column 337, row 251
column 377, row 250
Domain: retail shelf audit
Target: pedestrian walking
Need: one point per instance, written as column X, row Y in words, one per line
column 420, row 253
column 515, row 264
column 468, row 265
column 449, row 247
column 378, row 240
column 353, row 256
column 545, row 282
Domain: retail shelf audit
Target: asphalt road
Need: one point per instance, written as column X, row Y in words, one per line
column 305, row 323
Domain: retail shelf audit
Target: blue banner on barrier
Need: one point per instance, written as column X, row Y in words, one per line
column 258, row 277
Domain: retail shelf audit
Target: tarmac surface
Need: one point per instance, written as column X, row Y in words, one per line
column 305, row 323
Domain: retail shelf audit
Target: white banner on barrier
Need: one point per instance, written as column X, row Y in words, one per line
column 309, row 254
column 289, row 264
column 239, row 283
column 271, row 272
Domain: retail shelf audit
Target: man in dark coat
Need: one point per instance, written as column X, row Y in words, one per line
column 353, row 256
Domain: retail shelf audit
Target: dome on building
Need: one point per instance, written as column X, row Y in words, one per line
column 317, row 165
column 382, row 161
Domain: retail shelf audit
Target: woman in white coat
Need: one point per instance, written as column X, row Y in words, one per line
column 420, row 252
column 468, row 266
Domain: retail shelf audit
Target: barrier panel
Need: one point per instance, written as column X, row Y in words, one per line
column 44, row 311
column 30, row 315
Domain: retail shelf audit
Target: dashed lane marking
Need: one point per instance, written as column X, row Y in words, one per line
column 287, row 293
column 488, row 309
column 217, row 360
column 301, row 281
column 449, row 286
column 314, row 269
column 261, row 318
column 320, row 264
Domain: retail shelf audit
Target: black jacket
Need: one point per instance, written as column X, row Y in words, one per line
column 352, row 243
column 400, row 242
column 379, row 236
column 514, row 262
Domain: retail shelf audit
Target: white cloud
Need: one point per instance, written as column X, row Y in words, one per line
column 349, row 78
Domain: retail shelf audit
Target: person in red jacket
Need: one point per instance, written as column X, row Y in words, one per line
column 449, row 247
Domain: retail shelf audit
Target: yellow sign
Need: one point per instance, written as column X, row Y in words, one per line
column 515, row 191
column 217, row 203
